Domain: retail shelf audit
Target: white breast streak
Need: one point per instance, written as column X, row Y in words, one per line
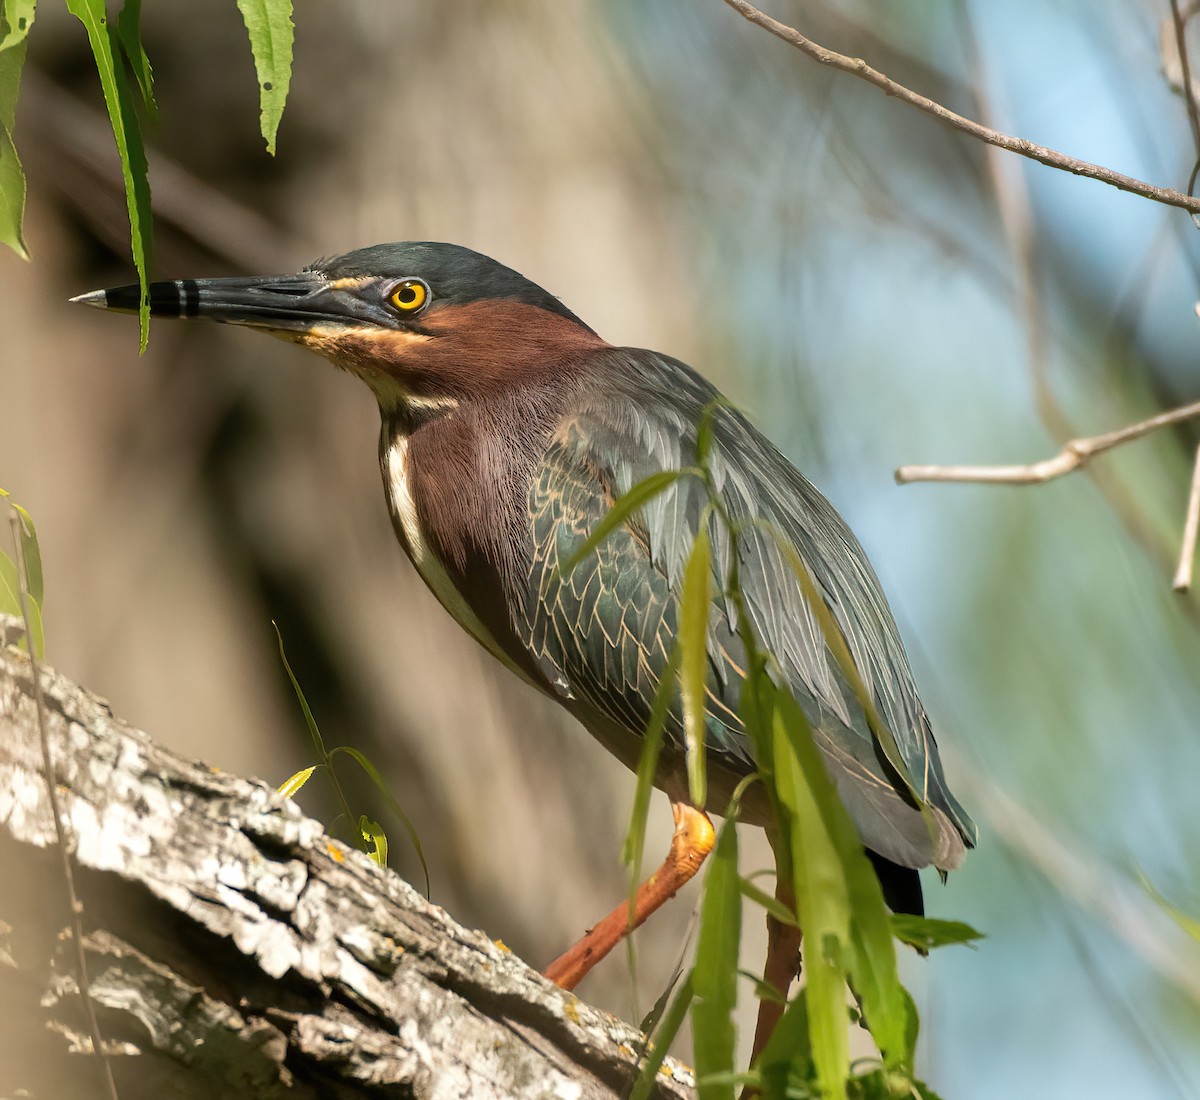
column 433, row 573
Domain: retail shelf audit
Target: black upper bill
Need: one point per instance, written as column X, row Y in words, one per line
column 287, row 302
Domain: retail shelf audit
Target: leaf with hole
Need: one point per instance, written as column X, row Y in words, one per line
column 269, row 25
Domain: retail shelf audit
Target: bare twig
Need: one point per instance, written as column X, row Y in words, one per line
column 1049, row 157
column 1191, row 525
column 1185, row 72
column 73, row 901
column 1073, row 456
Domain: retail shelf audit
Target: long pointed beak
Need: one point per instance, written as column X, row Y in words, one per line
column 281, row 303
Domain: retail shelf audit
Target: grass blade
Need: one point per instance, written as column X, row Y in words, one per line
column 128, row 136
column 313, row 730
column 269, row 25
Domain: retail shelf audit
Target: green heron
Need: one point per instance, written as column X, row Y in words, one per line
column 509, row 429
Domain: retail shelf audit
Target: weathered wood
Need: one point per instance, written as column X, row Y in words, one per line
column 236, row 950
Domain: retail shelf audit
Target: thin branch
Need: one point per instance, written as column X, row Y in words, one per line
column 76, row 906
column 1185, row 70
column 1191, row 525
column 1074, row 455
column 856, row 66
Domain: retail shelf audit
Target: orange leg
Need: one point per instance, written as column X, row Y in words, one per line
column 781, row 968
column 693, row 840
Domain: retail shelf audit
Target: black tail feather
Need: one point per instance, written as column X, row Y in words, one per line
column 901, row 885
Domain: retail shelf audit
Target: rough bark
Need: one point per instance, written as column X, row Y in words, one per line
column 235, row 949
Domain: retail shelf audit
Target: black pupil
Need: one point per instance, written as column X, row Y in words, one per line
column 408, row 295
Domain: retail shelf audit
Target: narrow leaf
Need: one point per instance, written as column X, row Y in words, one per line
column 714, row 977
column 289, row 787
column 694, row 603
column 623, row 507
column 31, row 552
column 12, row 177
column 29, row 558
column 16, row 17
column 926, row 933
column 269, row 24
column 864, row 941
column 824, row 909
column 656, row 1051
column 788, row 1053
column 129, row 34
column 772, row 905
column 313, row 730
column 397, row 809
column 128, row 135
column 10, row 587
column 635, row 839
column 376, row 838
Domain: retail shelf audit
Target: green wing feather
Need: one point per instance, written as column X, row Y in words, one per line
column 604, row 632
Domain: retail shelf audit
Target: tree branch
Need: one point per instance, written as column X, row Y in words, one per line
column 1050, row 157
column 1073, row 456
column 237, row 950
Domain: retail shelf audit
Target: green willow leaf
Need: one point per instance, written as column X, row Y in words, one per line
column 822, row 901
column 128, row 135
column 269, row 25
column 634, row 846
column 787, row 1055
column 926, row 933
column 12, row 195
column 694, row 604
column 772, row 905
column 290, row 786
column 17, row 19
column 373, row 774
column 376, row 838
column 714, row 977
column 623, row 507
column 862, row 939
column 656, row 1051
column 29, row 548
column 30, row 556
column 129, row 34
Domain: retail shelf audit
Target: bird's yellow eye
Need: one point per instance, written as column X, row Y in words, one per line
column 410, row 295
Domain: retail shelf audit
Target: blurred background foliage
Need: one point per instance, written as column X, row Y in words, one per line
column 845, row 268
